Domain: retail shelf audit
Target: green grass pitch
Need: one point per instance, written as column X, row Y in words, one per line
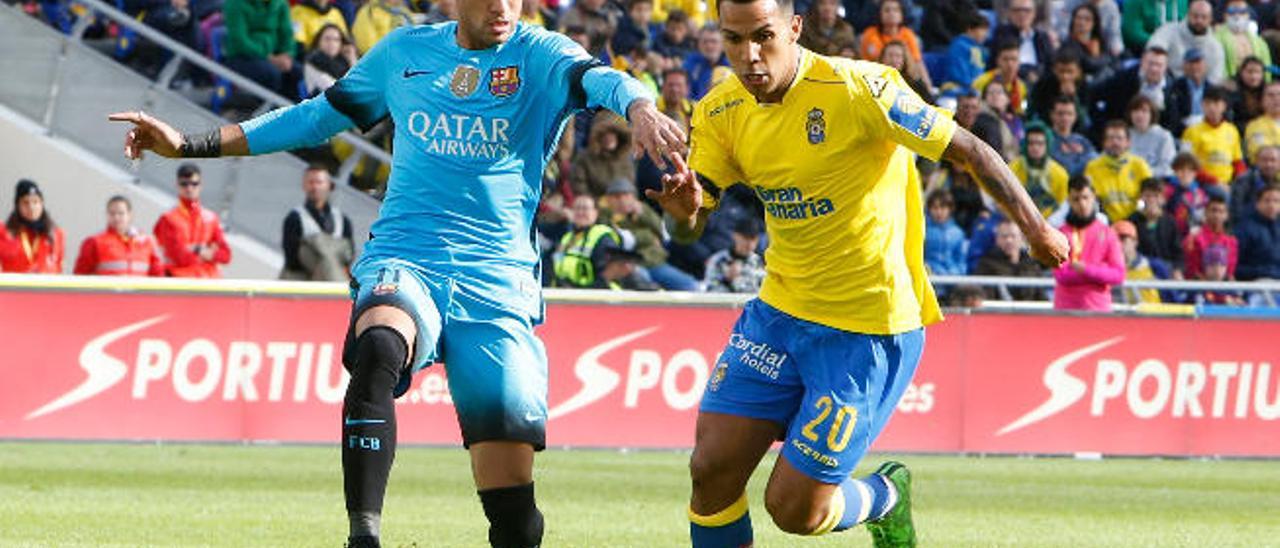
column 68, row 494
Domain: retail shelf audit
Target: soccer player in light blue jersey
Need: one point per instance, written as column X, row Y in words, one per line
column 450, row 271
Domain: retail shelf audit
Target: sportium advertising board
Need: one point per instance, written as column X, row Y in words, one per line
column 248, row 365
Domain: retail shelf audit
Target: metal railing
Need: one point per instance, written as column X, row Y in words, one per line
column 182, row 53
column 1266, row 289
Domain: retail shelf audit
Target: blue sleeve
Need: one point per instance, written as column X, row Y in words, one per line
column 305, row 124
column 585, row 82
column 360, row 94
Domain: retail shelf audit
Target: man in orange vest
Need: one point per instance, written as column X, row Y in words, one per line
column 121, row 250
column 190, row 235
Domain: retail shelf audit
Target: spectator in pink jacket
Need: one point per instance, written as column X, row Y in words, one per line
column 1097, row 260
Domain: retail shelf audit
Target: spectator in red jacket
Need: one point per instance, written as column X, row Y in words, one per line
column 120, row 250
column 190, row 235
column 31, row 242
column 1097, row 260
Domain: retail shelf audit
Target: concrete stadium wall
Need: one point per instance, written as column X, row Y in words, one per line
column 76, row 186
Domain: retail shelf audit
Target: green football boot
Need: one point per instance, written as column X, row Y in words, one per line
column 895, row 529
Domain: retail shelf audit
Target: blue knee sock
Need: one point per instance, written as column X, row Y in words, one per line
column 728, row 528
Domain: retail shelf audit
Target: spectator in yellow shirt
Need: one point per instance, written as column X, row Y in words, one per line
column 1117, row 174
column 1264, row 130
column 1214, row 141
column 1044, row 178
column 309, row 16
column 377, row 19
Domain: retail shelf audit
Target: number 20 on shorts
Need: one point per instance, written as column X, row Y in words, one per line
column 841, row 426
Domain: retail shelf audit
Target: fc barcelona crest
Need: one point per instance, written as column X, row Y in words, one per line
column 504, row 81
column 816, row 127
column 465, row 81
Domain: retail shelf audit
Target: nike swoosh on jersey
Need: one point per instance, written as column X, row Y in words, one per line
column 411, row 73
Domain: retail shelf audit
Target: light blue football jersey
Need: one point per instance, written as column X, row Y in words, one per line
column 473, row 132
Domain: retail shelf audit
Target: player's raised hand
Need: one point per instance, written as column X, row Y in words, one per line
column 148, row 133
column 1049, row 246
column 655, row 133
column 681, row 195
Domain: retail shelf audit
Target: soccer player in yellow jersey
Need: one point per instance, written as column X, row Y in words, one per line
column 821, row 359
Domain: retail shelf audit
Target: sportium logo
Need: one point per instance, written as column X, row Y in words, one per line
column 646, row 370
column 1152, row 388
column 199, row 370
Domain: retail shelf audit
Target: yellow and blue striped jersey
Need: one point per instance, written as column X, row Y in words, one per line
column 833, row 165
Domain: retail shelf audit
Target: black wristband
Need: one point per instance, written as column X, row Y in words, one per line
column 207, row 145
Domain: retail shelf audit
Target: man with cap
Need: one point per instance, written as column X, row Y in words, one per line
column 191, row 235
column 1188, row 89
column 619, row 272
column 120, row 250
column 31, row 242
column 1216, row 259
column 738, row 269
column 637, row 223
column 1137, row 267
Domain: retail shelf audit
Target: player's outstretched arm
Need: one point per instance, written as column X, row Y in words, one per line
column 681, row 199
column 151, row 133
column 1048, row 245
column 305, row 124
column 653, row 132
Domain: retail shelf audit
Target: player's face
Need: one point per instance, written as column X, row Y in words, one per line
column 1083, row 202
column 894, row 56
column 1269, row 162
column 486, row 23
column 316, row 185
column 1037, row 145
column 1008, row 61
column 1140, row 118
column 31, row 207
column 1116, row 141
column 760, row 39
column 1009, row 239
column 1269, row 204
column 1215, row 214
column 189, row 187
column 118, row 217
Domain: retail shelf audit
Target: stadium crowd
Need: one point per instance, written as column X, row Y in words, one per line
column 1148, row 130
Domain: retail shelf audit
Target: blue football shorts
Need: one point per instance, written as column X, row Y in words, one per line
column 495, row 365
column 832, row 391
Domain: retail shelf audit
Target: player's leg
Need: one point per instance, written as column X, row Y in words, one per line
column 853, row 383
column 726, row 452
column 751, row 395
column 497, row 373
column 394, row 328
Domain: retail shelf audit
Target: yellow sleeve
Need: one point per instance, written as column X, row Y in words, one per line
column 1058, row 179
column 891, row 107
column 711, row 156
column 1142, row 169
column 1019, row 170
column 1236, row 154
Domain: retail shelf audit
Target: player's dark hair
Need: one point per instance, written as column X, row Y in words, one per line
column 1142, row 101
column 1151, row 184
column 1215, row 93
column 674, row 71
column 1067, row 56
column 188, row 169
column 1117, row 124
column 118, row 198
column 1079, row 182
column 786, row 6
column 1006, row 45
column 1187, row 160
column 975, row 21
column 941, row 197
